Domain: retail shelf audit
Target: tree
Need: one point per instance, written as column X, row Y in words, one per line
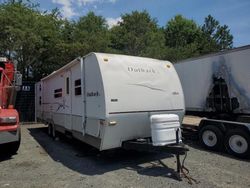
column 49, row 28
column 91, row 33
column 28, row 36
column 137, row 34
column 42, row 42
column 180, row 32
column 182, row 38
column 18, row 38
column 218, row 37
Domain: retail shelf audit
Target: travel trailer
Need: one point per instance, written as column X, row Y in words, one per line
column 106, row 99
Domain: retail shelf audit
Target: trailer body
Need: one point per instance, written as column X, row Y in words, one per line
column 218, row 82
column 106, row 99
column 217, row 86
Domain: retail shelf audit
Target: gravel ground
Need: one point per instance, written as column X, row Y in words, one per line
column 43, row 162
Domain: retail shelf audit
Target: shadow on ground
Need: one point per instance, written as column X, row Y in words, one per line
column 5, row 153
column 4, row 157
column 89, row 161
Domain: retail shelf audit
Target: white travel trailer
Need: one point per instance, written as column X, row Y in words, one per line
column 106, row 99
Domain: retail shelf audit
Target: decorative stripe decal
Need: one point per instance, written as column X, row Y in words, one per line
column 128, row 112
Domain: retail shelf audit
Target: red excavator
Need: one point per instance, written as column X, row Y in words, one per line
column 10, row 82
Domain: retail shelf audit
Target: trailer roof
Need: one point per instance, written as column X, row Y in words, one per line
column 62, row 68
column 216, row 53
column 72, row 63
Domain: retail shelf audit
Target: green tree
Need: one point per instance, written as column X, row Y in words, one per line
column 48, row 27
column 180, row 32
column 18, row 39
column 138, row 34
column 28, row 36
column 216, row 36
column 42, row 42
column 182, row 38
column 91, row 34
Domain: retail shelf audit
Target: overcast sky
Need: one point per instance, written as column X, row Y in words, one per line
column 234, row 13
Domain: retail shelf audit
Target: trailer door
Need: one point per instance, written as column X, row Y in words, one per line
column 77, row 98
column 68, row 101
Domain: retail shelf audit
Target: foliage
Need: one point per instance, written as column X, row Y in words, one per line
column 41, row 42
column 182, row 37
column 180, row 32
column 218, row 36
column 137, row 34
column 92, row 32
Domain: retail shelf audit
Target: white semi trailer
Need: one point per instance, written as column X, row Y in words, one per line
column 105, row 99
column 218, row 86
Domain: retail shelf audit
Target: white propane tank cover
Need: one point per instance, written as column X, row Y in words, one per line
column 164, row 118
column 163, row 129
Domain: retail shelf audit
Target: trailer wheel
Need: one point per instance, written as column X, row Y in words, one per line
column 238, row 143
column 49, row 129
column 211, row 137
column 53, row 132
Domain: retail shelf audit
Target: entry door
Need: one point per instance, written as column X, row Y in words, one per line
column 67, row 101
column 77, row 96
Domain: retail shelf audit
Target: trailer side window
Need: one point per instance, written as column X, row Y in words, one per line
column 78, row 89
column 67, row 85
column 58, row 93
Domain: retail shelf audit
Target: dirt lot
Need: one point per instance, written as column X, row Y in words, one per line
column 43, row 162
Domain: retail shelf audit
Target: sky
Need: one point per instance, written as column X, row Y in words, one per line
column 234, row 13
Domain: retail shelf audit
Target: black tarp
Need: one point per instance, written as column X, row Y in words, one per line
column 25, row 102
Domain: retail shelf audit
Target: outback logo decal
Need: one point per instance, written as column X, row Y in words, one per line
column 93, row 94
column 142, row 70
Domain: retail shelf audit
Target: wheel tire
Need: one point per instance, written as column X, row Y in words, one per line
column 53, row 132
column 211, row 137
column 237, row 143
column 50, row 130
